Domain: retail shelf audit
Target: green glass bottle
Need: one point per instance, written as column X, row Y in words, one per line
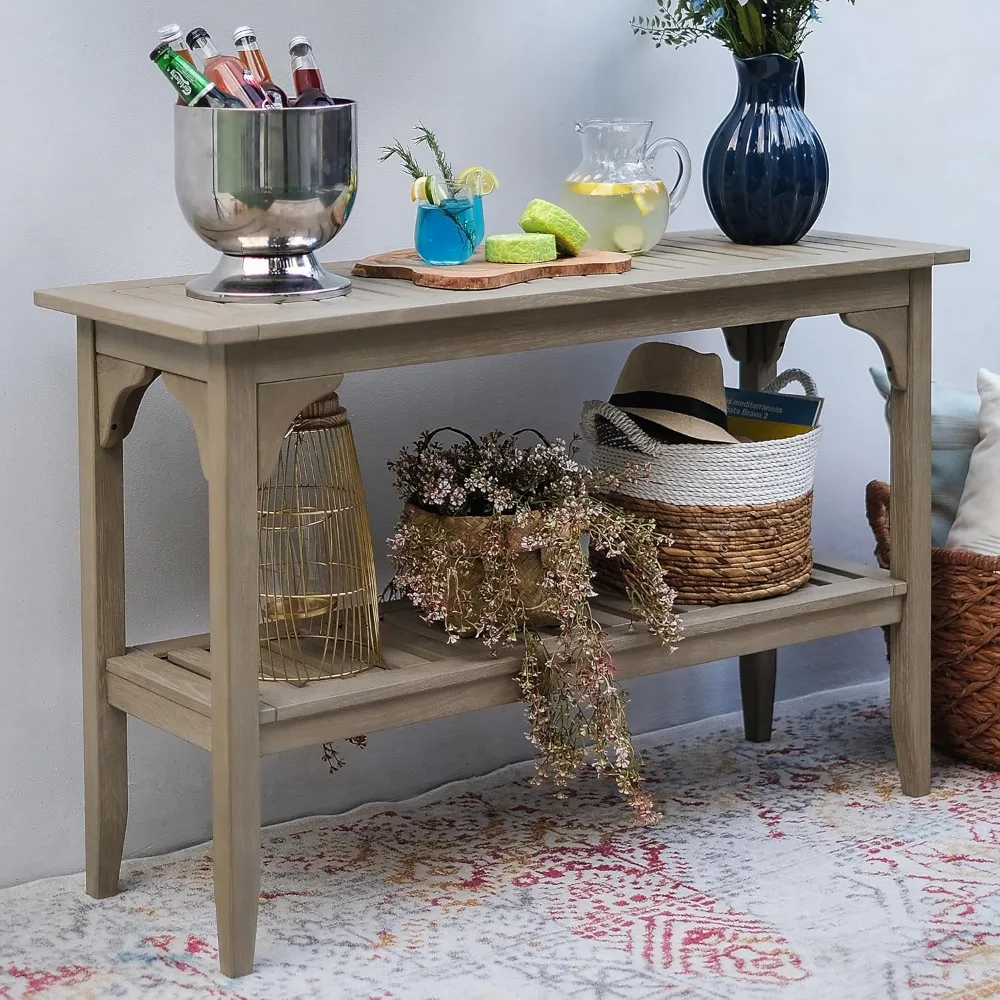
column 195, row 89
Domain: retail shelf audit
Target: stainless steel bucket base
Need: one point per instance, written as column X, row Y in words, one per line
column 267, row 279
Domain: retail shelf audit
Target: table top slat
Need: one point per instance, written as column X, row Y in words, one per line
column 681, row 263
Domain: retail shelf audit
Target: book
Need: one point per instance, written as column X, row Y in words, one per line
column 768, row 416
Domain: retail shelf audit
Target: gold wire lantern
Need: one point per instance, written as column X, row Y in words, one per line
column 318, row 591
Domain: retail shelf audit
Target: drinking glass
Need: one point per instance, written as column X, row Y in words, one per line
column 450, row 232
column 480, row 218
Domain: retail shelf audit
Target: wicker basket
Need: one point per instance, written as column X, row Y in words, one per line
column 530, row 564
column 965, row 642
column 739, row 515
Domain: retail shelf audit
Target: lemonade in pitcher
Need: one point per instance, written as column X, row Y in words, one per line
column 629, row 217
column 614, row 192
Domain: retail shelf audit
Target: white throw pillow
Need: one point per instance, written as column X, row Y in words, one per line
column 977, row 524
column 954, row 433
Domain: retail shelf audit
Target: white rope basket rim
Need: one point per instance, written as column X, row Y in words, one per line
column 710, row 475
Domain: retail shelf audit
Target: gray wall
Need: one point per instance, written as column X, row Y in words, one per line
column 86, row 195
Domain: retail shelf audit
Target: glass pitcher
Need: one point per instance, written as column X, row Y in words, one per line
column 615, row 193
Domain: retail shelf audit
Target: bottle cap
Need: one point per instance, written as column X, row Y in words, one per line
column 297, row 41
column 159, row 50
column 170, row 33
column 244, row 31
column 195, row 35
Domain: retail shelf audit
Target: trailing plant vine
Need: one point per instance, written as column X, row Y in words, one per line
column 491, row 545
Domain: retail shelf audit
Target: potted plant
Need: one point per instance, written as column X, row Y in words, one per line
column 490, row 545
column 766, row 171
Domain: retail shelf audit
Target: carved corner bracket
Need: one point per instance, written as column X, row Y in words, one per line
column 889, row 329
column 120, row 388
column 278, row 404
column 193, row 397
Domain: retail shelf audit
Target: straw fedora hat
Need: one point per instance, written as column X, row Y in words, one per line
column 676, row 388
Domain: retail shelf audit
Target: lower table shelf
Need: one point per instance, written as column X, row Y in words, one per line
column 168, row 684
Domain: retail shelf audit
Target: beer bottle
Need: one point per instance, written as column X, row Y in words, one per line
column 305, row 75
column 171, row 34
column 245, row 39
column 226, row 72
column 194, row 89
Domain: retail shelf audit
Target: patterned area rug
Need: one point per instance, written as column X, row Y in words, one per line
column 794, row 870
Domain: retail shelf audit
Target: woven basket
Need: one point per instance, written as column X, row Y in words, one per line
column 530, row 564
column 740, row 515
column 965, row 642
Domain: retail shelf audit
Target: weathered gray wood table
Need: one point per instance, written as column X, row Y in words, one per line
column 243, row 372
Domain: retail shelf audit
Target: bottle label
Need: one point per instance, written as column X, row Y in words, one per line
column 183, row 84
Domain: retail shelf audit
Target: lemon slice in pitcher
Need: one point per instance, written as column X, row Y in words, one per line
column 643, row 192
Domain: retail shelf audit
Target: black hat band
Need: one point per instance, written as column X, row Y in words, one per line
column 647, row 400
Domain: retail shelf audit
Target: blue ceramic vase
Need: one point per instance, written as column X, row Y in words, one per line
column 766, row 172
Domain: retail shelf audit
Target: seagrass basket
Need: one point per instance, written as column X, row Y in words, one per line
column 965, row 642
column 739, row 515
column 475, row 533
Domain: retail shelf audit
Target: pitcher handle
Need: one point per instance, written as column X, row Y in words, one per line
column 678, row 191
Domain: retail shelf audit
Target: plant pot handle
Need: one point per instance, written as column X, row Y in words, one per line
column 531, row 430
column 426, row 439
column 877, row 496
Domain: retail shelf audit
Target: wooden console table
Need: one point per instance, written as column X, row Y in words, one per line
column 243, row 372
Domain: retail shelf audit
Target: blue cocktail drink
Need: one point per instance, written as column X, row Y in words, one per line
column 448, row 233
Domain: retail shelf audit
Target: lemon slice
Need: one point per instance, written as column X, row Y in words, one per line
column 436, row 192
column 480, row 180
column 642, row 203
column 617, row 187
column 643, row 192
column 628, row 238
column 418, row 190
column 428, row 189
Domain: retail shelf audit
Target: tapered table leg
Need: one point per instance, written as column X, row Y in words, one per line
column 758, row 348
column 758, row 676
column 232, row 488
column 102, row 561
column 910, row 517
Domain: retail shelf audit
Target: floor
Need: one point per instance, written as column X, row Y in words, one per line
column 789, row 870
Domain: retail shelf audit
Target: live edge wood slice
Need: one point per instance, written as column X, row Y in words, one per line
column 242, row 372
column 478, row 275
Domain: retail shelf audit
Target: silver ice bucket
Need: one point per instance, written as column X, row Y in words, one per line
column 267, row 189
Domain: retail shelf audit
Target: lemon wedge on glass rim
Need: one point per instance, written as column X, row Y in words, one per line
column 427, row 189
column 479, row 180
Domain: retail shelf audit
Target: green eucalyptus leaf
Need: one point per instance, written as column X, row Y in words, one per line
column 744, row 22
column 756, row 25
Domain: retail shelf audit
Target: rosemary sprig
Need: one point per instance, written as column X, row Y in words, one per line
column 428, row 138
column 410, row 164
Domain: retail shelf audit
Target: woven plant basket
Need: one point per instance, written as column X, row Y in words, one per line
column 530, row 564
column 965, row 642
column 740, row 515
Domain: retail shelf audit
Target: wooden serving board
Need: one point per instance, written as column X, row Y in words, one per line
column 478, row 275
